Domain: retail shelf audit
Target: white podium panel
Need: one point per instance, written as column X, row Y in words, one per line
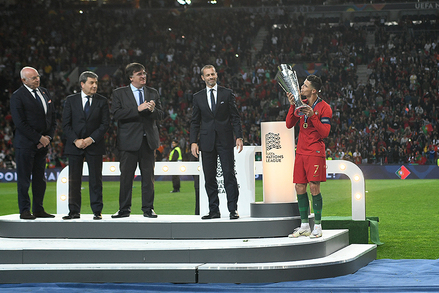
column 278, row 153
column 245, row 175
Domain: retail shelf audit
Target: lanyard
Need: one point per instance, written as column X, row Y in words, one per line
column 315, row 103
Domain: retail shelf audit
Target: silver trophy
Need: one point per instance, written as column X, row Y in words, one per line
column 287, row 79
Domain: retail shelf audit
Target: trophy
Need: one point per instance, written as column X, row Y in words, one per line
column 287, row 79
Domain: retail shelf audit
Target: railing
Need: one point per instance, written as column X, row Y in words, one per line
column 194, row 168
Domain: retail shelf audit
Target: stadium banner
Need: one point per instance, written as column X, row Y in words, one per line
column 10, row 175
column 369, row 171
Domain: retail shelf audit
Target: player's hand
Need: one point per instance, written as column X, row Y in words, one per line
column 290, row 97
column 308, row 111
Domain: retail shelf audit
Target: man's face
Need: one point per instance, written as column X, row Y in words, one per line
column 31, row 78
column 90, row 86
column 209, row 76
column 306, row 89
column 138, row 79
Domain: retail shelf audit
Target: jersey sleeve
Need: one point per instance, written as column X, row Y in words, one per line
column 291, row 119
column 322, row 122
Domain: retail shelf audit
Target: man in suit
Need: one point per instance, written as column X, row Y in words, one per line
column 33, row 114
column 215, row 119
column 136, row 108
column 86, row 118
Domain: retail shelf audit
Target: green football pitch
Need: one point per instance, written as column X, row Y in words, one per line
column 407, row 209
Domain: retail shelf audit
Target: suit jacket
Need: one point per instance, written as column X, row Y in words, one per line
column 226, row 120
column 77, row 126
column 29, row 118
column 132, row 125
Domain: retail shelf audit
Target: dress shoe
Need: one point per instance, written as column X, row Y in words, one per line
column 71, row 216
column 234, row 215
column 211, row 215
column 43, row 214
column 97, row 216
column 150, row 214
column 26, row 215
column 120, row 214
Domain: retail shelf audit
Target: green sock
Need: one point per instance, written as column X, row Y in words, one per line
column 303, row 203
column 317, row 205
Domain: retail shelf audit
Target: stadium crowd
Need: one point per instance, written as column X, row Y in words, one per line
column 391, row 118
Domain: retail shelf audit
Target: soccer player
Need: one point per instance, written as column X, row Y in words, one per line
column 310, row 162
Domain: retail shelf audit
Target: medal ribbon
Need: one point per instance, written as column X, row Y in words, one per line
column 315, row 103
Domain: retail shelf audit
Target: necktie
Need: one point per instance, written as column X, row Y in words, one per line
column 37, row 97
column 140, row 97
column 87, row 107
column 212, row 100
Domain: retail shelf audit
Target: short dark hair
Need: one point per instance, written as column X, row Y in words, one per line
column 175, row 140
column 316, row 82
column 86, row 74
column 133, row 67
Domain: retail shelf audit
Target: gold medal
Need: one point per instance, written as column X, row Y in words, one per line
column 305, row 125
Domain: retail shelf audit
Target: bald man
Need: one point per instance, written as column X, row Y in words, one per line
column 34, row 118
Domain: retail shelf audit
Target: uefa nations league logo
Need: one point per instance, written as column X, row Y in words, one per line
column 272, row 141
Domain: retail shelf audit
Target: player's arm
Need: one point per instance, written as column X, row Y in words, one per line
column 322, row 122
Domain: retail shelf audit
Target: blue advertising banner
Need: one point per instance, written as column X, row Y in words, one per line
column 369, row 171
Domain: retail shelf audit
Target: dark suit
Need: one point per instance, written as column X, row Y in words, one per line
column 31, row 122
column 137, row 139
column 77, row 126
column 215, row 132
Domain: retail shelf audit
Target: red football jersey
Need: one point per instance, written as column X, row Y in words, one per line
column 312, row 130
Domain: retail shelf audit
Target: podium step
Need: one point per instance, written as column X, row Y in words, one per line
column 70, row 251
column 342, row 262
column 179, row 249
column 345, row 261
column 139, row 227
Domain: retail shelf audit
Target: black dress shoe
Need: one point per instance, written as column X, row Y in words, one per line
column 71, row 216
column 43, row 214
column 211, row 215
column 26, row 215
column 120, row 214
column 150, row 214
column 97, row 216
column 234, row 215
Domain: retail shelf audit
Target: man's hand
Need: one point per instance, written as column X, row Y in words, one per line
column 87, row 141
column 308, row 111
column 194, row 150
column 79, row 143
column 83, row 143
column 239, row 145
column 143, row 106
column 290, row 97
column 151, row 105
column 44, row 140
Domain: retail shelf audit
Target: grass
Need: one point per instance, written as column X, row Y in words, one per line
column 407, row 209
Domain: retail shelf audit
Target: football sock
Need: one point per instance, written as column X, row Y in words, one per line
column 303, row 202
column 317, row 204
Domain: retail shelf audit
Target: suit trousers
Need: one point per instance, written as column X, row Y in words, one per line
column 76, row 163
column 226, row 156
column 31, row 162
column 176, row 182
column 128, row 165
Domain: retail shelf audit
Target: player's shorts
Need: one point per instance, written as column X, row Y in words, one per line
column 309, row 168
